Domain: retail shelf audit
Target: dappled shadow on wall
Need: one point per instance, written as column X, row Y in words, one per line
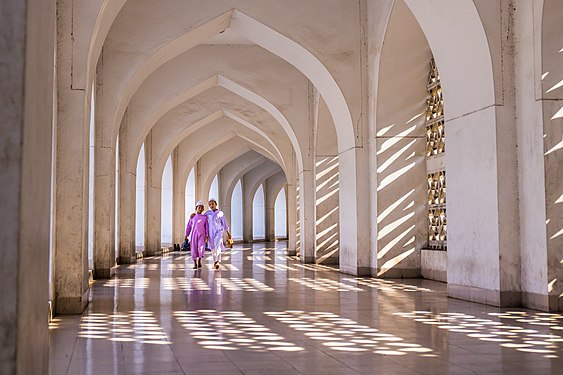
column 327, row 210
column 401, row 177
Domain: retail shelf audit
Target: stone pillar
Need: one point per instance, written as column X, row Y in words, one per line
column 127, row 200
column 71, row 184
column 307, row 192
column 26, row 103
column 199, row 183
column 269, row 213
column 223, row 198
column 153, row 197
column 354, row 197
column 247, row 211
column 104, row 190
column 179, row 201
column 307, row 215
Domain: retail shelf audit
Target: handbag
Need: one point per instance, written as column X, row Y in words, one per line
column 186, row 245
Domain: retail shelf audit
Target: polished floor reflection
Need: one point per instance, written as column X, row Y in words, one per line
column 265, row 313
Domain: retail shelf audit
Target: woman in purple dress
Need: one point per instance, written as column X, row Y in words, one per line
column 199, row 227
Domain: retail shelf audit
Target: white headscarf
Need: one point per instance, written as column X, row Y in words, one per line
column 199, row 203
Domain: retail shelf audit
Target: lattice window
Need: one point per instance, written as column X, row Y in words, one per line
column 436, row 147
column 437, row 210
column 437, row 189
column 435, row 132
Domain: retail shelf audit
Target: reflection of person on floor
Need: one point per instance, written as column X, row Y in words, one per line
column 217, row 226
column 199, row 227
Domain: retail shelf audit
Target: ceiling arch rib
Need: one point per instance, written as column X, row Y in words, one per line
column 212, row 162
column 200, row 134
column 217, row 80
column 269, row 39
column 234, row 172
column 224, row 161
column 192, row 150
column 175, row 140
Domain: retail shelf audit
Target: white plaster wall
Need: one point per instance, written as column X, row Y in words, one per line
column 434, row 264
column 472, row 200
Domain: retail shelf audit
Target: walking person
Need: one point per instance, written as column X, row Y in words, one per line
column 198, row 226
column 217, row 227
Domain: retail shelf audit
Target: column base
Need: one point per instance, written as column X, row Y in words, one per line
column 152, row 253
column 307, row 260
column 543, row 302
column 395, row 273
column 105, row 273
column 355, row 271
column 292, row 253
column 71, row 305
column 127, row 260
column 485, row 296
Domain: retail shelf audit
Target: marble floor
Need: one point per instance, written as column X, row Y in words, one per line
column 266, row 313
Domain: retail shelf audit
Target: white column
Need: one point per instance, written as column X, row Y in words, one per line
column 104, row 191
column 71, row 185
column 153, row 197
column 26, row 98
column 179, row 201
column 247, row 211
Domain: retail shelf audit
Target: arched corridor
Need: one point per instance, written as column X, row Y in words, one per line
column 393, row 165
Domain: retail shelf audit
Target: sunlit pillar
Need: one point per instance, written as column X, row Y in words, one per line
column 178, row 200
column 354, row 200
column 223, row 198
column 71, row 185
column 247, row 211
column 104, row 190
column 153, row 197
column 291, row 219
column 127, row 199
column 307, row 213
column 269, row 211
column 199, row 182
column 27, row 30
